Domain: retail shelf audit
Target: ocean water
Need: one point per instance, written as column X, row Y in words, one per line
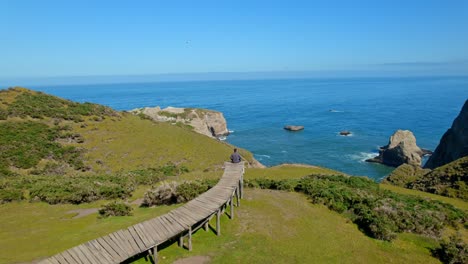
column 257, row 110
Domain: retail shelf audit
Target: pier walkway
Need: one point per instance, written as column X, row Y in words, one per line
column 179, row 224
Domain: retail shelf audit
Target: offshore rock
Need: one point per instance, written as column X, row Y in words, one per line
column 294, row 128
column 454, row 143
column 401, row 149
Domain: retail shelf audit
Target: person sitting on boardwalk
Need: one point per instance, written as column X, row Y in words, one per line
column 235, row 157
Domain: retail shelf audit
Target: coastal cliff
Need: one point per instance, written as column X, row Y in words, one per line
column 454, row 143
column 207, row 122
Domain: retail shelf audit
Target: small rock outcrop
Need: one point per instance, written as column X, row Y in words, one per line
column 206, row 122
column 454, row 143
column 345, row 133
column 401, row 149
column 294, row 128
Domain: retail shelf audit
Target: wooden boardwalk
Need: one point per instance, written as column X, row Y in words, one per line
column 179, row 224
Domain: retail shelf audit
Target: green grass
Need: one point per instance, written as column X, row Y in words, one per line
column 132, row 143
column 287, row 171
column 283, row 227
column 31, row 231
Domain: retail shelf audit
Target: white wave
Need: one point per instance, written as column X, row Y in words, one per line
column 335, row 111
column 231, row 131
column 260, row 155
column 284, row 151
column 363, row 156
column 222, row 138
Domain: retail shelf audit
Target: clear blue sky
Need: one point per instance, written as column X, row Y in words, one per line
column 74, row 38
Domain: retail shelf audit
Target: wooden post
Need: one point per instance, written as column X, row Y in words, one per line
column 237, row 197
column 155, row 254
column 207, row 225
column 232, row 207
column 190, row 239
column 218, row 224
column 242, row 187
column 181, row 241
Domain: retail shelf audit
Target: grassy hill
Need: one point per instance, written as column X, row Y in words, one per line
column 450, row 180
column 60, row 161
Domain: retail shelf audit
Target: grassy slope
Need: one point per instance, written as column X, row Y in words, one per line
column 281, row 227
column 31, row 231
column 133, row 143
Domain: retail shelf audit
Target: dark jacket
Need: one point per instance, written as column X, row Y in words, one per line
column 235, row 157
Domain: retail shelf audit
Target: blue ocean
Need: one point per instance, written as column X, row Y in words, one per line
column 257, row 110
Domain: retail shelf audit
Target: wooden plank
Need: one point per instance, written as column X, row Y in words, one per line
column 191, row 214
column 89, row 254
column 155, row 235
column 176, row 226
column 181, row 218
column 168, row 225
column 124, row 243
column 136, row 238
column 177, row 221
column 115, row 244
column 53, row 260
column 115, row 256
column 132, row 248
column 76, row 252
column 142, row 233
column 106, row 257
column 150, row 232
column 159, row 229
column 205, row 211
column 60, row 259
column 125, row 252
column 165, row 233
column 69, row 258
column 202, row 206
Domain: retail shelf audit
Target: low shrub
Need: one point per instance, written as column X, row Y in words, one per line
column 453, row 251
column 172, row 192
column 115, row 209
column 187, row 191
column 10, row 194
column 165, row 193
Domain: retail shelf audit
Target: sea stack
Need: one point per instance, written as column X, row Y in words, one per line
column 293, row 128
column 454, row 143
column 401, row 149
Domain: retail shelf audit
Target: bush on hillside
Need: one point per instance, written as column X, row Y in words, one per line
column 40, row 105
column 24, row 144
column 115, row 209
column 453, row 251
column 165, row 193
column 76, row 189
column 172, row 192
column 380, row 214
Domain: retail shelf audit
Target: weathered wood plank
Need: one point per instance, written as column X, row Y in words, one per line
column 109, row 249
column 69, row 258
column 142, row 233
column 136, row 238
column 92, row 258
column 107, row 258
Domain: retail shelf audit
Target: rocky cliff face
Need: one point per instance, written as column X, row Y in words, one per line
column 401, row 149
column 206, row 122
column 454, row 143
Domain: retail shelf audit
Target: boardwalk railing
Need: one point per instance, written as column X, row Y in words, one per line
column 179, row 223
